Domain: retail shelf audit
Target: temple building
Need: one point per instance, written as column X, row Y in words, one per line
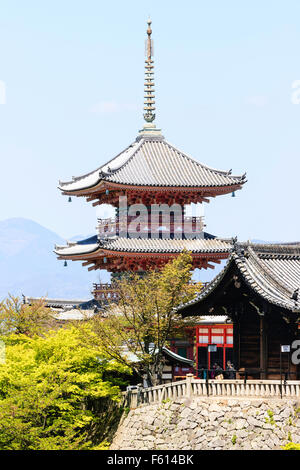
column 250, row 312
column 258, row 292
column 149, row 184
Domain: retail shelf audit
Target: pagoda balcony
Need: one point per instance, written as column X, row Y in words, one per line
column 105, row 292
column 109, row 291
column 133, row 226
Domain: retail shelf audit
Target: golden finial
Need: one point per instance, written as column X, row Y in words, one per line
column 149, row 115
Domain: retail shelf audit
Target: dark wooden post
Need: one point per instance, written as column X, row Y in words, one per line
column 262, row 346
column 236, row 335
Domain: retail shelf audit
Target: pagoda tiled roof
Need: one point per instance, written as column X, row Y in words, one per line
column 152, row 161
column 145, row 245
column 54, row 303
column 271, row 270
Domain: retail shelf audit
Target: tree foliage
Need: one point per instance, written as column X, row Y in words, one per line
column 46, row 385
column 20, row 318
column 291, row 446
column 136, row 331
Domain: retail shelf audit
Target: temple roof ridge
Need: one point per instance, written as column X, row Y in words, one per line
column 221, row 172
column 272, row 250
column 273, row 278
column 276, row 283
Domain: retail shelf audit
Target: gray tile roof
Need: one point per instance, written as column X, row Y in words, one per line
column 144, row 245
column 272, row 271
column 167, row 245
column 176, row 357
column 152, row 161
column 54, row 303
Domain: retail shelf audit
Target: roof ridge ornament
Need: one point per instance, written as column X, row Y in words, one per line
column 238, row 248
column 149, row 97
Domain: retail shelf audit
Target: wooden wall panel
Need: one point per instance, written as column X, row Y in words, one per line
column 249, row 339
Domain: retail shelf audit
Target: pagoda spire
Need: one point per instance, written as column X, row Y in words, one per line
column 149, row 102
column 149, row 96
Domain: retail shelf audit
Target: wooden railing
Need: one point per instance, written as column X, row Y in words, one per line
column 105, row 286
column 109, row 291
column 113, row 225
column 200, row 387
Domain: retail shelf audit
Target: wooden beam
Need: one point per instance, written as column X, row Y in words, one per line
column 210, row 266
column 91, row 198
column 86, row 263
column 91, row 268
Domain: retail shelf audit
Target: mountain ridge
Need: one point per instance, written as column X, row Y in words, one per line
column 29, row 266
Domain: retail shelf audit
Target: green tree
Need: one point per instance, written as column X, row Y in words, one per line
column 46, row 386
column 136, row 330
column 19, row 318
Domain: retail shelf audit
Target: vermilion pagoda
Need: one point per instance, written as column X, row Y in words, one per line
column 149, row 179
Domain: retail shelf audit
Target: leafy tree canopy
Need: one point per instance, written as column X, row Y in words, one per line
column 19, row 318
column 46, row 384
column 145, row 319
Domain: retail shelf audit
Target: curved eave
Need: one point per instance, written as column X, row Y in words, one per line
column 82, row 191
column 163, row 252
column 82, row 252
column 93, row 178
column 103, row 184
column 100, row 252
column 177, row 358
column 71, row 252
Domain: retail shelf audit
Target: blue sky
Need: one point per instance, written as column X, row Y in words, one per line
column 74, row 95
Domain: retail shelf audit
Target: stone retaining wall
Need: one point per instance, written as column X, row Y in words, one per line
column 210, row 423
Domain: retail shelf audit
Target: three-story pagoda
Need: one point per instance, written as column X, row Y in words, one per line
column 149, row 183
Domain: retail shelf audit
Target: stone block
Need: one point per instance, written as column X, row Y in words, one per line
column 217, row 443
column 286, row 412
column 199, row 432
column 240, row 423
column 254, row 422
column 211, row 434
column 242, row 433
column 214, row 415
column 185, row 412
column 215, row 407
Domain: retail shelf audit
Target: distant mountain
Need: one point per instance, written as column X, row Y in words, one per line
column 28, row 265
column 264, row 242
column 77, row 238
